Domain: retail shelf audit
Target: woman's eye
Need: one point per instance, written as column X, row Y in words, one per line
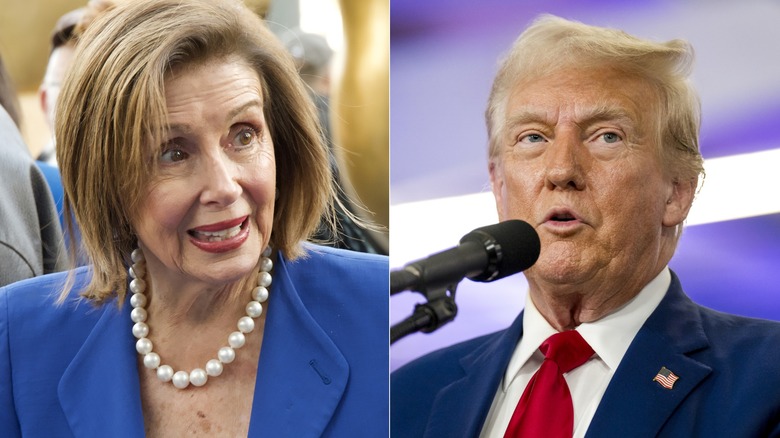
column 173, row 155
column 245, row 137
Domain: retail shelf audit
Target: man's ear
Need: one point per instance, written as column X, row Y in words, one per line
column 497, row 185
column 679, row 201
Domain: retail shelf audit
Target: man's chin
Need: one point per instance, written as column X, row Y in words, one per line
column 559, row 269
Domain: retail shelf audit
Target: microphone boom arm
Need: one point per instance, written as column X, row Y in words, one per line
column 485, row 254
column 427, row 317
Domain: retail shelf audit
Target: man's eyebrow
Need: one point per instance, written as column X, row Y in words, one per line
column 604, row 113
column 525, row 116
column 592, row 114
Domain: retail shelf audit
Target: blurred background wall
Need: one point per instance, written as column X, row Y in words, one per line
column 444, row 56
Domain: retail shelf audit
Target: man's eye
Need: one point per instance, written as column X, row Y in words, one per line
column 610, row 137
column 532, row 138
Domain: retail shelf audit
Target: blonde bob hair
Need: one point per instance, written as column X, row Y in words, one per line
column 552, row 43
column 111, row 115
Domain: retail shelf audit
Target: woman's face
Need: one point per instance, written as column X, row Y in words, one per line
column 208, row 210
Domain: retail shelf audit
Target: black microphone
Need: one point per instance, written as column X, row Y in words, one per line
column 485, row 254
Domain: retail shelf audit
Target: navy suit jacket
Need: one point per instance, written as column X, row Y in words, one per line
column 72, row 370
column 728, row 368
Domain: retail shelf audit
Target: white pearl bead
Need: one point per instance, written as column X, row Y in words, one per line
column 236, row 340
column 226, row 355
column 138, row 314
column 266, row 264
column 143, row 346
column 140, row 330
column 254, row 309
column 138, row 286
column 260, row 294
column 152, row 360
column 198, row 377
column 136, row 255
column 138, row 300
column 181, row 379
column 214, row 368
column 264, row 279
column 165, row 373
column 246, row 324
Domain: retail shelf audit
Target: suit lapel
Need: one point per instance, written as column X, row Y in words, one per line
column 99, row 391
column 469, row 398
column 301, row 375
column 635, row 405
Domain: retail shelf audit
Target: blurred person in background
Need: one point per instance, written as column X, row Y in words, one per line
column 63, row 45
column 313, row 58
column 30, row 233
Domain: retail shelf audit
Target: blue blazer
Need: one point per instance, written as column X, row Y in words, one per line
column 71, row 370
column 728, row 368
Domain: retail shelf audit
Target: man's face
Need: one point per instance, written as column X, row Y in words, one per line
column 59, row 62
column 579, row 161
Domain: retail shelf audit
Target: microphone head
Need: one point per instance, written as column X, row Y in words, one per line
column 513, row 246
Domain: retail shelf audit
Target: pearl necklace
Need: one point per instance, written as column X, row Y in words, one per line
column 225, row 355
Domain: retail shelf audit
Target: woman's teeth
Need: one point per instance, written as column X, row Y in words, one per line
column 216, row 236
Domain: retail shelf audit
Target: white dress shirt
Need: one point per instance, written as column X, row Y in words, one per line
column 609, row 337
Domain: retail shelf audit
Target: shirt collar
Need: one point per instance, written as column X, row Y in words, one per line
column 609, row 336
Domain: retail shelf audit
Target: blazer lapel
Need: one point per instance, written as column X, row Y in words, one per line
column 636, row 405
column 469, row 398
column 301, row 375
column 99, row 391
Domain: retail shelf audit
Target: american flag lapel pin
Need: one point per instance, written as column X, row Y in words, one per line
column 666, row 378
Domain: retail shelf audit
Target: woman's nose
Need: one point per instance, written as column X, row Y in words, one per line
column 220, row 181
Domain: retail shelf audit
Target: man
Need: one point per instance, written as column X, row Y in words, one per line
column 30, row 234
column 594, row 141
column 313, row 57
column 63, row 47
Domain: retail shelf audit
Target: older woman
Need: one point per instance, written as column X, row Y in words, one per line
column 193, row 162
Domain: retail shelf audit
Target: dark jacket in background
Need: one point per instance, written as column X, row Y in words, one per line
column 31, row 241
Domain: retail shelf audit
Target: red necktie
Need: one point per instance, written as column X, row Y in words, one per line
column 545, row 409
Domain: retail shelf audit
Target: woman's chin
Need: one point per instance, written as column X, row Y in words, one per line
column 226, row 270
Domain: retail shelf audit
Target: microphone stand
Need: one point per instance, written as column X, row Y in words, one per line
column 439, row 309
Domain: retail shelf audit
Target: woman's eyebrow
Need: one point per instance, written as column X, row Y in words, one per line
column 240, row 109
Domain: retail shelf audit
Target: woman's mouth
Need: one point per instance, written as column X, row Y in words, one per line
column 217, row 236
column 221, row 236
